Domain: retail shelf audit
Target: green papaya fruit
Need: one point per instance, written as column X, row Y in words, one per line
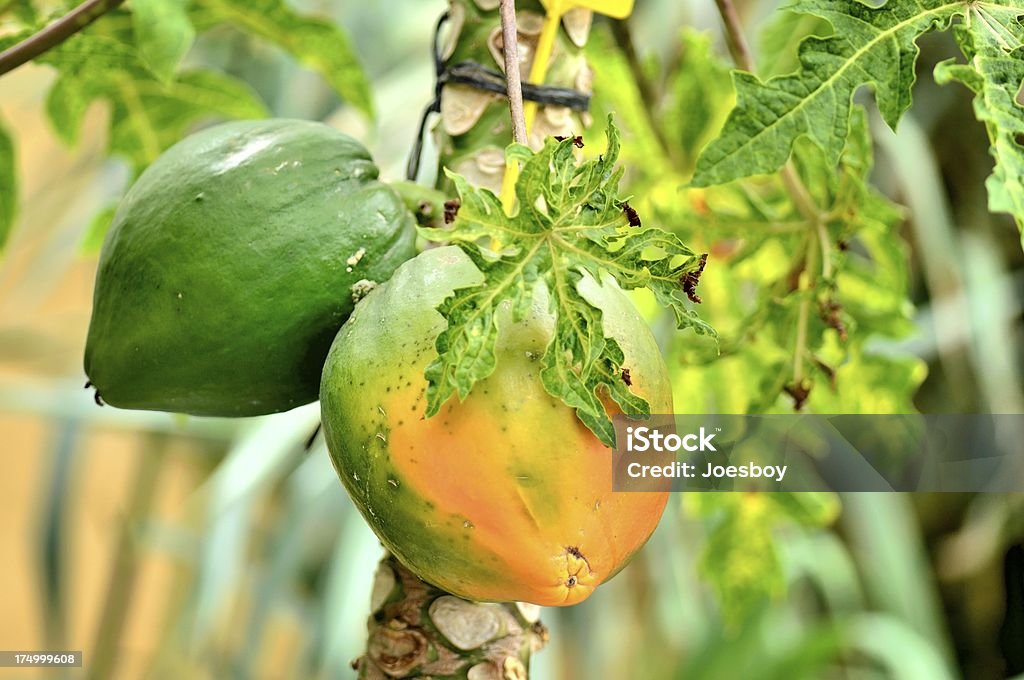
column 230, row 267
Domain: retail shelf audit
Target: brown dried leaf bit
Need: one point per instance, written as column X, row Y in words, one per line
column 829, row 372
column 691, row 279
column 451, row 210
column 577, row 141
column 831, row 314
column 631, row 214
column 626, row 377
column 799, row 393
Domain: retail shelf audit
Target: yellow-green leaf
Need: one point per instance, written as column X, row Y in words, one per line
column 992, row 42
column 163, row 33
column 570, row 223
column 871, row 46
column 316, row 43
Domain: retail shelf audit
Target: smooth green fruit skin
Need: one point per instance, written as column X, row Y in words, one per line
column 228, row 268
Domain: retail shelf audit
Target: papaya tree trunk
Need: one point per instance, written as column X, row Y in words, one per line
column 415, row 629
column 419, row 631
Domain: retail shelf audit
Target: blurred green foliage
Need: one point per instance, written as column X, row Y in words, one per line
column 730, row 586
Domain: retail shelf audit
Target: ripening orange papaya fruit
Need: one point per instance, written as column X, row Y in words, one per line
column 505, row 496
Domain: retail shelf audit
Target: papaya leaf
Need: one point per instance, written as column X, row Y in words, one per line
column 741, row 559
column 163, row 32
column 777, row 52
column 8, row 185
column 316, row 43
column 695, row 109
column 147, row 115
column 20, row 10
column 570, row 224
column 870, row 46
column 168, row 111
column 992, row 41
column 857, row 315
column 77, row 85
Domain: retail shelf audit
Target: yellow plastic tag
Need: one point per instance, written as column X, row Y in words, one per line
column 619, row 9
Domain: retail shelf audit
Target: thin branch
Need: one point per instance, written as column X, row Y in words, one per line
column 799, row 193
column 805, row 286
column 801, row 197
column 734, row 35
column 513, row 80
column 741, row 55
column 624, row 39
column 801, row 340
column 54, row 34
column 825, row 245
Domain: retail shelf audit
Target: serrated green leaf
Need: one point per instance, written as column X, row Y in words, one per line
column 79, row 85
column 780, row 38
column 992, row 41
column 570, row 229
column 8, row 185
column 871, row 46
column 316, row 43
column 163, row 33
column 756, row 308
